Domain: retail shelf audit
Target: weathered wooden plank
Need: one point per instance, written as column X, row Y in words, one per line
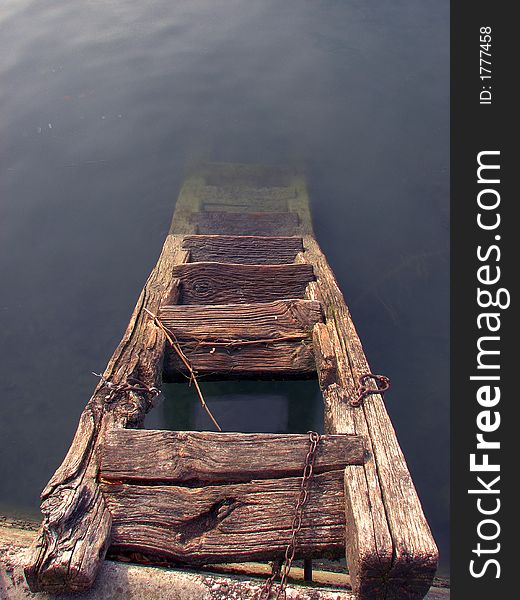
column 325, row 356
column 222, row 523
column 263, row 223
column 222, row 283
column 118, row 580
column 390, row 549
column 231, row 322
column 287, row 359
column 245, row 250
column 75, row 532
column 198, row 457
column 369, row 544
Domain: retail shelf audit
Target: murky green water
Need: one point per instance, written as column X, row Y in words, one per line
column 246, row 406
column 104, row 104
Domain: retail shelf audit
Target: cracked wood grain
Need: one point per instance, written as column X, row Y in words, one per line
column 242, row 249
column 222, row 523
column 263, row 223
column 202, row 457
column 222, row 283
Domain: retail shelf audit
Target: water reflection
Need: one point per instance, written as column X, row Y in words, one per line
column 103, row 105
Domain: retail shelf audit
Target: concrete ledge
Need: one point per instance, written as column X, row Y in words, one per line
column 136, row 582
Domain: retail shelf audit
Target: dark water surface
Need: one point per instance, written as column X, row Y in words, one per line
column 104, row 103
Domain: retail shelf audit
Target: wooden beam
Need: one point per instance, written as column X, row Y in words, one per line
column 390, row 550
column 232, row 322
column 253, row 223
column 222, row 283
column 223, row 523
column 245, row 250
column 287, row 359
column 195, row 457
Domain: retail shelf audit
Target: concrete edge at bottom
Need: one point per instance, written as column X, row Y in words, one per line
column 125, row 581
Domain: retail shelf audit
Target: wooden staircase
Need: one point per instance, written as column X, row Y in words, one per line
column 244, row 289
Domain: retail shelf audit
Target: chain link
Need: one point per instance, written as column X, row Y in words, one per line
column 283, row 569
column 382, row 385
column 131, row 384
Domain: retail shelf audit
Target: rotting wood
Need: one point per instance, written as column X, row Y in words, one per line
column 227, row 522
column 119, row 577
column 196, row 458
column 248, row 250
column 276, row 359
column 231, row 322
column 325, row 357
column 225, row 223
column 390, row 549
column 222, row 283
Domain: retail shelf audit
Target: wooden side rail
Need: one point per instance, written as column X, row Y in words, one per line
column 390, row 549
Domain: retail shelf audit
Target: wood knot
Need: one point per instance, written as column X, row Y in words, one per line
column 202, row 287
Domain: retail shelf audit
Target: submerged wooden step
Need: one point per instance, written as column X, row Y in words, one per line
column 226, row 522
column 220, row 283
column 245, row 195
column 253, row 223
column 242, row 174
column 245, row 250
column 244, row 205
column 196, row 457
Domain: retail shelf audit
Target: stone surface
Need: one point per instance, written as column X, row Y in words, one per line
column 122, row 581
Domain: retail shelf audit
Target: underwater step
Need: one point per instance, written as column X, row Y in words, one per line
column 264, row 223
column 241, row 249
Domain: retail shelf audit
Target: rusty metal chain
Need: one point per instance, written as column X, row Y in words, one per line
column 131, row 384
column 382, row 383
column 283, row 569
